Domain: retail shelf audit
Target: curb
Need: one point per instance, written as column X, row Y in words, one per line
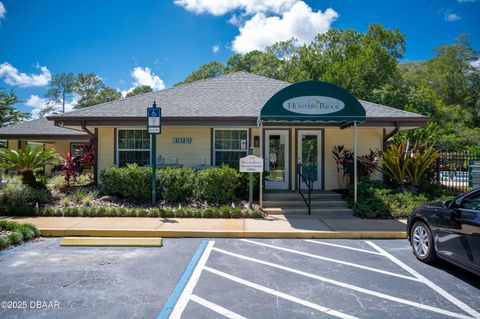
column 57, row 232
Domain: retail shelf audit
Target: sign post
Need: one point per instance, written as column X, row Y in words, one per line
column 251, row 164
column 154, row 125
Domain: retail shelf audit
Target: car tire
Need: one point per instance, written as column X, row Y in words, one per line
column 422, row 243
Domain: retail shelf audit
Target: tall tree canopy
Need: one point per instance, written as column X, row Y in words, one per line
column 91, row 90
column 139, row 90
column 445, row 87
column 8, row 113
column 60, row 89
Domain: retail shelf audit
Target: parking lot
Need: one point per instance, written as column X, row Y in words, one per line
column 237, row 278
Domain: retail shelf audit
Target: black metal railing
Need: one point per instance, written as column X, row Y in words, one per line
column 309, row 182
column 453, row 170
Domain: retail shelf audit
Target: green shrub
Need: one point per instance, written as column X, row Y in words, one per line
column 167, row 213
column 244, row 184
column 47, row 210
column 56, row 182
column 376, row 200
column 141, row 212
column 154, row 212
column 111, row 212
column 236, row 212
column 15, row 237
column 4, row 242
column 131, row 182
column 176, row 184
column 210, row 212
column 122, row 212
column 26, row 231
column 101, row 211
column 217, row 185
column 21, row 200
column 132, row 212
column 71, row 212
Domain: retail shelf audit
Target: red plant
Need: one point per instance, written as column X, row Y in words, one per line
column 69, row 168
column 88, row 155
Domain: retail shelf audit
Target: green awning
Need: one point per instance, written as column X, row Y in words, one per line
column 313, row 101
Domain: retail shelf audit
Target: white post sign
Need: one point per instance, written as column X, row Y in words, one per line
column 251, row 164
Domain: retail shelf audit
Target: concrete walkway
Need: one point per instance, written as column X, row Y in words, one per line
column 274, row 226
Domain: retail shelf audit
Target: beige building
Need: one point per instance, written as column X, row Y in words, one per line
column 217, row 120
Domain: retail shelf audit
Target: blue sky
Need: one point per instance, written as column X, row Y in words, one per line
column 159, row 42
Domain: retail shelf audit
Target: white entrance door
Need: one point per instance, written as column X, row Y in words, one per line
column 276, row 159
column 309, row 155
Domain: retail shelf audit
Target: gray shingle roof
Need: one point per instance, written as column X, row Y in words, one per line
column 41, row 128
column 239, row 94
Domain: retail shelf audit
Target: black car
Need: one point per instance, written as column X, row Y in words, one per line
column 449, row 230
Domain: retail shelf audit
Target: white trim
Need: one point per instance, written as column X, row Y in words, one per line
column 117, row 150
column 247, row 129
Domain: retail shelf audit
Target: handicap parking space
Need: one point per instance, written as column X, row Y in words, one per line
column 255, row 278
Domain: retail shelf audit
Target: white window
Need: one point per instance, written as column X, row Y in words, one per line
column 229, row 146
column 133, row 146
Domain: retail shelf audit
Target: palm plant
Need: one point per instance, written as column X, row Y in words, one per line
column 395, row 160
column 421, row 159
column 27, row 161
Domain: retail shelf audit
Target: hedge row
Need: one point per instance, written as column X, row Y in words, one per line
column 182, row 212
column 214, row 185
column 18, row 233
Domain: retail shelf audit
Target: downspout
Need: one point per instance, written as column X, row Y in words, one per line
column 94, row 140
column 386, row 137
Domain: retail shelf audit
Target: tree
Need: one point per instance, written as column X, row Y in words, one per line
column 8, row 114
column 61, row 86
column 27, row 161
column 139, row 90
column 205, row 71
column 87, row 86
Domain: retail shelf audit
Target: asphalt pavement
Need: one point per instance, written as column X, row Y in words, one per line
column 234, row 278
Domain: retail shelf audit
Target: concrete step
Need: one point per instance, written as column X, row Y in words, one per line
column 295, row 195
column 301, row 203
column 324, row 211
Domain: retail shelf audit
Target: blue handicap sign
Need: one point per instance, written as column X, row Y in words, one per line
column 153, row 112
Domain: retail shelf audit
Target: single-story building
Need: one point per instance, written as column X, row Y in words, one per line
column 216, row 120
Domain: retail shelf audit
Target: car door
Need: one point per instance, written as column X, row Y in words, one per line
column 467, row 218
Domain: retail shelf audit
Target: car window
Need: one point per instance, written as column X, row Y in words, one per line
column 472, row 202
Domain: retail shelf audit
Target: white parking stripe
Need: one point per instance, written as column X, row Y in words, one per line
column 348, row 286
column 192, row 282
column 345, row 247
column 218, row 309
column 280, row 294
column 333, row 260
column 427, row 282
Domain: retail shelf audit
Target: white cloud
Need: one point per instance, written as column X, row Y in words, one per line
column 300, row 22
column 221, row 7
column 451, row 17
column 12, row 76
column 39, row 104
column 2, row 11
column 145, row 76
column 475, row 64
column 215, row 48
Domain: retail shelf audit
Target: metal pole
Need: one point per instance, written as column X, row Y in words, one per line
column 261, row 155
column 354, row 162
column 154, row 168
column 250, row 189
